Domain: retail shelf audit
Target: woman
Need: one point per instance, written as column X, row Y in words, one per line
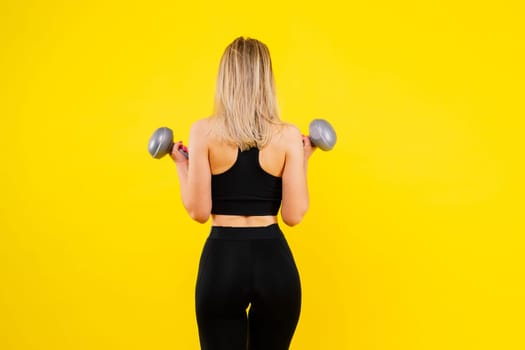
column 244, row 164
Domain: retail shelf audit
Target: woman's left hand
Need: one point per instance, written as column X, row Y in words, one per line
column 177, row 155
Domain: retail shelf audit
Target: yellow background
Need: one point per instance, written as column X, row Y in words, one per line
column 414, row 235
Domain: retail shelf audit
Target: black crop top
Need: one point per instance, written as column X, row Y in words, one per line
column 246, row 188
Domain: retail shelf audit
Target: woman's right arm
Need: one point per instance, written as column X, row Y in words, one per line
column 296, row 199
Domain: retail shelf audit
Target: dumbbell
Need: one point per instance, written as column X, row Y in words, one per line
column 161, row 143
column 322, row 135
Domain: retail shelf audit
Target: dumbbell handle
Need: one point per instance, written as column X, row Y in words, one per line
column 184, row 153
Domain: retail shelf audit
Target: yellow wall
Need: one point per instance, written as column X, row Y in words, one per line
column 414, row 236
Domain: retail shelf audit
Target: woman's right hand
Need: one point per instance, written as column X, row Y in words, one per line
column 308, row 147
column 176, row 155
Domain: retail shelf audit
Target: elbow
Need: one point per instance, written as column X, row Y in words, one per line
column 199, row 212
column 293, row 219
column 200, row 217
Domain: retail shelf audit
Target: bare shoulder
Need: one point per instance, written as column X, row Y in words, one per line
column 201, row 125
column 289, row 134
column 289, row 128
column 200, row 130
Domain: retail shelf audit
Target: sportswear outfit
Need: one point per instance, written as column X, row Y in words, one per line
column 247, row 267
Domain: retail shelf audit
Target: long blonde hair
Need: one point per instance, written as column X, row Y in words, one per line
column 245, row 97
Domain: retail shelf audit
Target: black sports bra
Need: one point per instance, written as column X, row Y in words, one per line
column 246, row 188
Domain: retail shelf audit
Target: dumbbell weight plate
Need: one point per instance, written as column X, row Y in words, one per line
column 322, row 134
column 161, row 142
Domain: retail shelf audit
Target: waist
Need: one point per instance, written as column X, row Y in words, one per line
column 245, row 233
column 245, row 206
column 242, row 221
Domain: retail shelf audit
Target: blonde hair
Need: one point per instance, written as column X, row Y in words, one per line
column 245, row 98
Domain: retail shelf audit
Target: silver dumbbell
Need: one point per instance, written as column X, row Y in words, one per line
column 161, row 143
column 322, row 134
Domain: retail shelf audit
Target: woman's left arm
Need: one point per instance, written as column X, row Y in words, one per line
column 194, row 173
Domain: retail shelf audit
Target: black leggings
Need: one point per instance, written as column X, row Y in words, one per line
column 241, row 267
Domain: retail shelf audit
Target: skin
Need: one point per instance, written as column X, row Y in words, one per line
column 286, row 156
